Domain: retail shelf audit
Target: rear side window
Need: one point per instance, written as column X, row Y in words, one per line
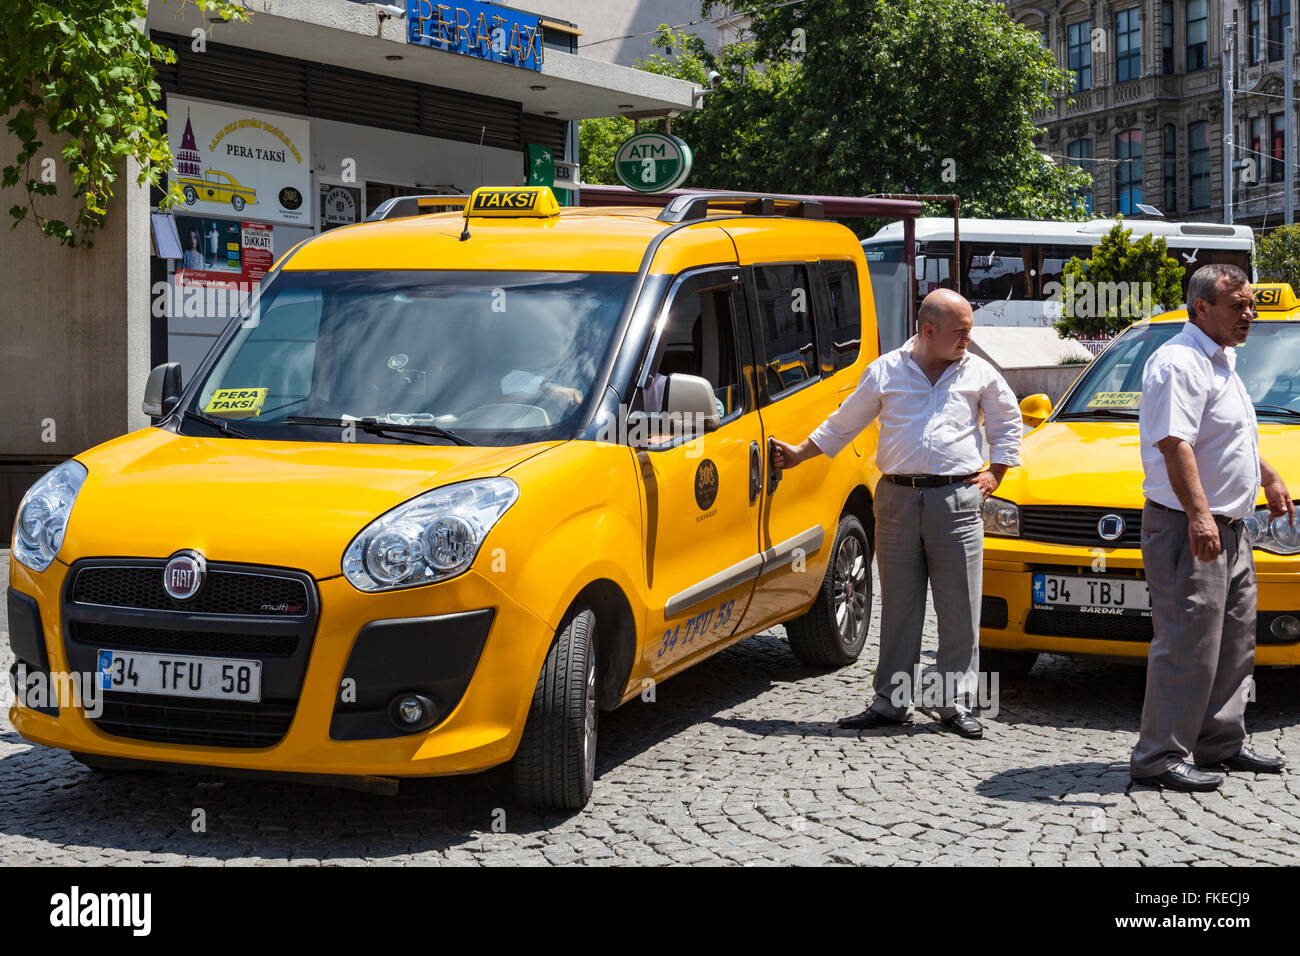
column 785, row 314
column 846, row 313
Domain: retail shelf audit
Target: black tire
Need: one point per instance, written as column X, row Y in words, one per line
column 1009, row 664
column 237, row 202
column 555, row 766
column 831, row 634
column 191, row 197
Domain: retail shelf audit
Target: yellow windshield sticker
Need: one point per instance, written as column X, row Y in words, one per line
column 237, row 402
column 1115, row 400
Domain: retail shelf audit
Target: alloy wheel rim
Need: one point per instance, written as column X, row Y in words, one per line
column 850, row 589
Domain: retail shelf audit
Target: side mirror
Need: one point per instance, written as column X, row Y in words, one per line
column 691, row 399
column 1034, row 409
column 162, row 391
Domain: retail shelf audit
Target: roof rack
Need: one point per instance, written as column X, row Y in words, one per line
column 402, row 207
column 689, row 207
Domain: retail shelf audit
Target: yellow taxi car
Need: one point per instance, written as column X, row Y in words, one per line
column 1062, row 546
column 216, row 186
column 453, row 484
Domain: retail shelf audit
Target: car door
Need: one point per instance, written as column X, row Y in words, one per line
column 701, row 494
column 798, row 518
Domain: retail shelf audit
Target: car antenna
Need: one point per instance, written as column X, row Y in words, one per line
column 482, row 133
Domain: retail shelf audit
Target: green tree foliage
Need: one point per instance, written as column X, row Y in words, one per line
column 1277, row 256
column 851, row 97
column 82, row 70
column 1121, row 282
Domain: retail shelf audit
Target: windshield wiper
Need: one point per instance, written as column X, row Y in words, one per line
column 1277, row 410
column 1098, row 413
column 224, row 427
column 375, row 427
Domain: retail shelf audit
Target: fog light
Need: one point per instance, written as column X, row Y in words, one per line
column 1286, row 627
column 410, row 712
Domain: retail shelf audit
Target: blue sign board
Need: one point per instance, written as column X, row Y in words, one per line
column 475, row 28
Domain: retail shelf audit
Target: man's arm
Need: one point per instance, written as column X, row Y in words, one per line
column 1185, row 479
column 1279, row 499
column 1003, row 428
column 841, row 426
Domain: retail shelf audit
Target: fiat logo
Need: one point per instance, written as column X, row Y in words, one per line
column 1110, row 528
column 183, row 575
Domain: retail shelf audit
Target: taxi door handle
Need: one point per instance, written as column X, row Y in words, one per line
column 773, row 472
column 755, row 471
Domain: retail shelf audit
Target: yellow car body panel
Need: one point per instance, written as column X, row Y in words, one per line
column 1099, row 464
column 590, row 514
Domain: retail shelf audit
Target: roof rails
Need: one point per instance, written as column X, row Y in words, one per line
column 401, row 207
column 690, row 207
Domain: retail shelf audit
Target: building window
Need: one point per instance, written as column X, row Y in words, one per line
column 1171, row 169
column 1167, row 36
column 1079, row 152
column 1128, row 171
column 1277, row 133
column 1279, row 18
column 1256, row 157
column 1197, row 35
column 1079, row 54
column 1198, row 165
column 1128, row 45
column 1252, row 31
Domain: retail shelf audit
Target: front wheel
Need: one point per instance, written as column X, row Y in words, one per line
column 237, row 202
column 555, row 766
column 833, row 631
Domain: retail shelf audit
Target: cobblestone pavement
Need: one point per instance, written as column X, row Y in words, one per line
column 737, row 761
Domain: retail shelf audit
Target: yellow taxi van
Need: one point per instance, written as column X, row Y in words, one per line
column 1062, row 546
column 453, row 484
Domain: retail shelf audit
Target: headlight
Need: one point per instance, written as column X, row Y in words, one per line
column 429, row 538
column 1001, row 517
column 43, row 515
column 1277, row 535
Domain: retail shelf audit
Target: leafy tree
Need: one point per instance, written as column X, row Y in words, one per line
column 1277, row 256
column 83, row 70
column 863, row 96
column 1121, row 282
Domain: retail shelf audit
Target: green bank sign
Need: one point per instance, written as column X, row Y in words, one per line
column 653, row 162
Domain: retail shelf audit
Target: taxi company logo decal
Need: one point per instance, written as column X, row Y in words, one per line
column 706, row 484
column 290, row 198
column 183, row 575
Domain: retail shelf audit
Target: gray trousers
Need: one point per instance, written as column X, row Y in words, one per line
column 1201, row 658
column 935, row 534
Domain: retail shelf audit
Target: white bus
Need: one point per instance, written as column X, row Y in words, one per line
column 1008, row 265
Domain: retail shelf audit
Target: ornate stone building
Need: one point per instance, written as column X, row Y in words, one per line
column 1146, row 114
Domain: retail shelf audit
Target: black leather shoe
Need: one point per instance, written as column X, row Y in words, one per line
column 1184, row 777
column 869, row 720
column 1246, row 760
column 965, row 725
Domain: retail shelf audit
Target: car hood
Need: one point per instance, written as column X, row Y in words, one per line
column 292, row 504
column 1100, row 463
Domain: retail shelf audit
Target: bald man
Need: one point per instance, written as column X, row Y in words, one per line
column 928, row 395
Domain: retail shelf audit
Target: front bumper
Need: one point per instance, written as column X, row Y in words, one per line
column 482, row 730
column 1009, row 566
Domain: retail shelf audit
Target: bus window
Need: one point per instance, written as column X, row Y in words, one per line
column 995, row 272
column 1051, row 264
column 938, row 267
column 1208, row 257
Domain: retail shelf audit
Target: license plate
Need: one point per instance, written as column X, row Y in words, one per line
column 1091, row 595
column 174, row 675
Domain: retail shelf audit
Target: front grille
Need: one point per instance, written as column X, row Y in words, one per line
column 203, row 643
column 1077, row 525
column 212, row 723
column 1122, row 627
column 993, row 613
column 226, row 591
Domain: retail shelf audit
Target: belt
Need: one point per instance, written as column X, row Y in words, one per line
column 926, row 481
column 1221, row 519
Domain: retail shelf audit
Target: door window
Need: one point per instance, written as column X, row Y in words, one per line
column 785, row 314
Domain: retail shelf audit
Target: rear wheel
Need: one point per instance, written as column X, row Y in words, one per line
column 1011, row 664
column 833, row 631
column 555, row 766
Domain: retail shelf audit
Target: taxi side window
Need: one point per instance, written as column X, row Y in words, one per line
column 845, row 320
column 785, row 318
column 698, row 339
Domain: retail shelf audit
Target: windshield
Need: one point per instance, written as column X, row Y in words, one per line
column 496, row 358
column 1268, row 363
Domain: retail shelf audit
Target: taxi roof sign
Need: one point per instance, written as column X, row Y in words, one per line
column 1275, row 297
column 537, row 202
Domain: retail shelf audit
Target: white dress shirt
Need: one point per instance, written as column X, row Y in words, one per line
column 928, row 429
column 1191, row 390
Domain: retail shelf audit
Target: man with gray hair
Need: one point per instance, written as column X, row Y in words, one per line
column 1200, row 457
column 928, row 395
